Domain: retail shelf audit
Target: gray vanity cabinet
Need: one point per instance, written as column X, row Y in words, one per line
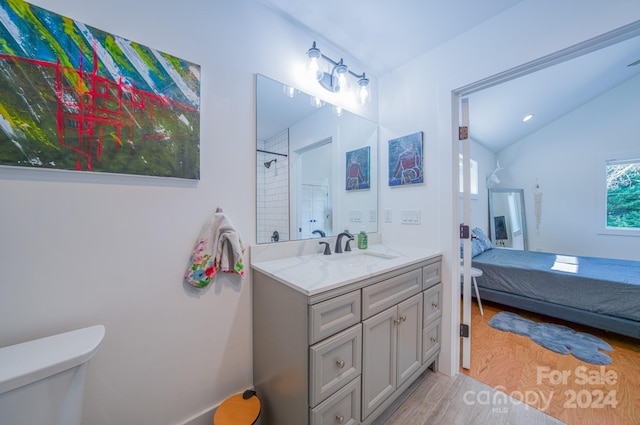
column 392, row 346
column 341, row 356
column 432, row 311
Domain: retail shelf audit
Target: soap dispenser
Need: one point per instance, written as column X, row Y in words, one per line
column 363, row 239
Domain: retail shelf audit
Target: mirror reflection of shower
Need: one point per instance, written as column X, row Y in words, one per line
column 272, row 189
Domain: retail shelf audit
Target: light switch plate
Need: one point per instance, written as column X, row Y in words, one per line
column 410, row 216
column 355, row 216
column 388, row 215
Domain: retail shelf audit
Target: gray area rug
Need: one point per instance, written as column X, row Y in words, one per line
column 558, row 338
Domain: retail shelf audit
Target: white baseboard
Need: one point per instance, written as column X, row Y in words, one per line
column 203, row 418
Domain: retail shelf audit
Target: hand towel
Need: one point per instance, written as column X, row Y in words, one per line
column 218, row 247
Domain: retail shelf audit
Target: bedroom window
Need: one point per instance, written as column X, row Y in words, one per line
column 623, row 194
column 473, row 169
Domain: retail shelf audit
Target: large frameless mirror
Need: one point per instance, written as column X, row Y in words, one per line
column 316, row 166
column 507, row 218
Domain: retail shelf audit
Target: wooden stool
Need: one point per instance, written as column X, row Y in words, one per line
column 240, row 409
column 474, row 273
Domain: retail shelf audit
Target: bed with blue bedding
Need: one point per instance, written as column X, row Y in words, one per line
column 597, row 292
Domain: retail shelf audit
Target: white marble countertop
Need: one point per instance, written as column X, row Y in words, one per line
column 316, row 273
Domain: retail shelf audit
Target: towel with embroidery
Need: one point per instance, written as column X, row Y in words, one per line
column 218, row 247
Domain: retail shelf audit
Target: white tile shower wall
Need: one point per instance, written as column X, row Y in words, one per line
column 260, row 225
column 273, row 189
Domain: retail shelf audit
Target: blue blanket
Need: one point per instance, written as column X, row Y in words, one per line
column 600, row 285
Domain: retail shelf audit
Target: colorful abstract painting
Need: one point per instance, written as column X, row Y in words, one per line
column 358, row 169
column 73, row 97
column 405, row 160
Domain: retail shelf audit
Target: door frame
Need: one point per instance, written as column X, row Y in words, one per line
column 598, row 42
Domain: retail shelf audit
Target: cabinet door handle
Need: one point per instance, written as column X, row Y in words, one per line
column 339, row 418
column 403, row 318
column 434, row 339
column 434, row 305
column 340, row 363
column 396, row 321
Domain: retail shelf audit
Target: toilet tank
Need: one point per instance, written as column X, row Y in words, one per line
column 42, row 381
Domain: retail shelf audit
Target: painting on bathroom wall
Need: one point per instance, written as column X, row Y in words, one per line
column 73, row 97
column 358, row 170
column 405, row 160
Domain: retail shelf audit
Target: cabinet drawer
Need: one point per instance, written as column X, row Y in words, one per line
column 334, row 362
column 430, row 340
column 341, row 408
column 431, row 275
column 332, row 316
column 432, row 304
column 380, row 296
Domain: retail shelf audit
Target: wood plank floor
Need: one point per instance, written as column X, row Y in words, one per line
column 459, row 400
column 566, row 388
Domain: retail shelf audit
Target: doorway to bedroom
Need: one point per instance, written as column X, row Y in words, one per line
column 513, row 363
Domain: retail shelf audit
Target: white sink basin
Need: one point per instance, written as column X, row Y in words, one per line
column 358, row 258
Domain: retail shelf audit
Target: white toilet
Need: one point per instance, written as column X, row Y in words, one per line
column 42, row 381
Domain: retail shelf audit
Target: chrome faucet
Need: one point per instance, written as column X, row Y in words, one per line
column 339, row 242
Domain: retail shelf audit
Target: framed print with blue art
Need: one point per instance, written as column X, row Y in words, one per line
column 405, row 160
column 358, row 170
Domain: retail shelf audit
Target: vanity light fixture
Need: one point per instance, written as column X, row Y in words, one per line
column 337, row 80
column 527, row 117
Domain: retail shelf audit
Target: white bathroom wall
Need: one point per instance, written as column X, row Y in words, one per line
column 567, row 159
column 78, row 249
column 417, row 97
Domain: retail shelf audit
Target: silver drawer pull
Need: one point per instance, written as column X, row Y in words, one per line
column 339, row 419
column 434, row 305
column 396, row 321
column 340, row 363
column 434, row 339
column 403, row 318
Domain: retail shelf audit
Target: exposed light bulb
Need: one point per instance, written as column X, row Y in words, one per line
column 527, row 117
column 341, row 80
column 363, row 90
column 313, row 69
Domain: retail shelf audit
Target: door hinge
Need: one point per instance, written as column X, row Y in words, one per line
column 463, row 133
column 464, row 231
column 464, row 330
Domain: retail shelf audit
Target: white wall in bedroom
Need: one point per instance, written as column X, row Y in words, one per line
column 566, row 158
column 480, row 203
